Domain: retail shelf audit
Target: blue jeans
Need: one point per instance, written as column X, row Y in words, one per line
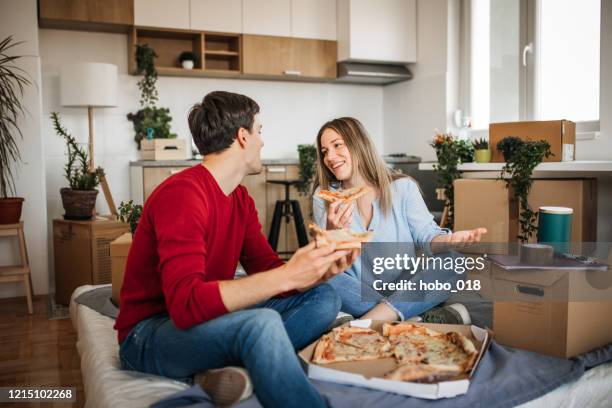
column 263, row 339
column 353, row 291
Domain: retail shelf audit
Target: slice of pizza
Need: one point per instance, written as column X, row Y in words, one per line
column 344, row 238
column 346, row 195
column 423, row 373
column 413, row 344
column 345, row 343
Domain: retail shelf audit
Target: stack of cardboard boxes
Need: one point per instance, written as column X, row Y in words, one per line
column 562, row 327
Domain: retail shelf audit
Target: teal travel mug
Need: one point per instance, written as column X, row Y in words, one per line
column 555, row 227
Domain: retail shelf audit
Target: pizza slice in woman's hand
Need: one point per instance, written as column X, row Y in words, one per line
column 344, row 238
column 345, row 196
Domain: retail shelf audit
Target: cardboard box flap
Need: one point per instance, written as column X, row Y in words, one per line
column 540, row 277
column 121, row 245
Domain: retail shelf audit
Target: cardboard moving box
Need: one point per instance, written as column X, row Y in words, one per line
column 119, row 250
column 551, row 311
column 561, row 134
column 81, row 254
column 370, row 374
column 489, row 204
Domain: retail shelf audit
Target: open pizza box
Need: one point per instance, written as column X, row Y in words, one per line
column 370, row 374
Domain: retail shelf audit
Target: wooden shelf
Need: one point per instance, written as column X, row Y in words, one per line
column 221, row 53
column 196, row 72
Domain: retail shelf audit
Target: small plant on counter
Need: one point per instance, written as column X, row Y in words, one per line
column 307, row 158
column 80, row 199
column 130, row 213
column 187, row 59
column 450, row 152
column 482, row 154
column 481, row 144
column 523, row 157
column 149, row 116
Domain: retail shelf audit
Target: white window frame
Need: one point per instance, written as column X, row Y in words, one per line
column 529, row 12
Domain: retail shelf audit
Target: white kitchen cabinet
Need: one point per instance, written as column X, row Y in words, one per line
column 266, row 17
column 216, row 15
column 314, row 19
column 162, row 13
column 377, row 31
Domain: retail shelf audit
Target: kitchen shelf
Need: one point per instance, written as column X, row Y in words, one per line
column 217, row 55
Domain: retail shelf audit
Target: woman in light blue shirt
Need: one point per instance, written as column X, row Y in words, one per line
column 394, row 210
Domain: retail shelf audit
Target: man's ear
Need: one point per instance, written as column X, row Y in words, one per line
column 241, row 137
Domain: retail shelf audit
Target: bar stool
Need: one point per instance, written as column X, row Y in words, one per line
column 288, row 209
column 21, row 272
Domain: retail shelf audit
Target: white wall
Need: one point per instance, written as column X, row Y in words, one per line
column 291, row 112
column 413, row 109
column 18, row 18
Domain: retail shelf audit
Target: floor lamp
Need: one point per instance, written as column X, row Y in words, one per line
column 91, row 85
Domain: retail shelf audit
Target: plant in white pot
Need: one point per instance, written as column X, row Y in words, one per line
column 79, row 199
column 187, row 59
column 12, row 87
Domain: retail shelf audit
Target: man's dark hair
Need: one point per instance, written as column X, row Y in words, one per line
column 214, row 123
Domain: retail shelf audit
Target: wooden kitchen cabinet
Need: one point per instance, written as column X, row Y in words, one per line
column 94, row 15
column 266, row 17
column 153, row 177
column 284, row 57
column 162, row 13
column 216, row 15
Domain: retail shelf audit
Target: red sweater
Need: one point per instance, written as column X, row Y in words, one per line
column 190, row 237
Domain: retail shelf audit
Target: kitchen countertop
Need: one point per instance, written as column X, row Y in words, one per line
column 265, row 162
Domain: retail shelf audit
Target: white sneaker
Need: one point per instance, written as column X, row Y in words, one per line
column 225, row 386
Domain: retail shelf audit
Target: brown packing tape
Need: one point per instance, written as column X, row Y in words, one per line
column 536, row 254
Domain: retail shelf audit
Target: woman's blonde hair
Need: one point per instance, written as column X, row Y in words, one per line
column 364, row 156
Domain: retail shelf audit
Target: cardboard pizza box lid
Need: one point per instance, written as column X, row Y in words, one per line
column 369, row 374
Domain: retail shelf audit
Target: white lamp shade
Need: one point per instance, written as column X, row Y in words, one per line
column 88, row 84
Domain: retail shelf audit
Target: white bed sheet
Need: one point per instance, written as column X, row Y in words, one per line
column 107, row 386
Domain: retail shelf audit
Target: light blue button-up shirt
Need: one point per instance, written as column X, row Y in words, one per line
column 408, row 220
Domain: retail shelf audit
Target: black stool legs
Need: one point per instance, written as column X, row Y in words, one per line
column 288, row 209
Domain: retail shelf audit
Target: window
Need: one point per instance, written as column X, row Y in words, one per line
column 532, row 59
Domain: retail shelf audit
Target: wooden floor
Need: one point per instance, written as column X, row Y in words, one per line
column 35, row 351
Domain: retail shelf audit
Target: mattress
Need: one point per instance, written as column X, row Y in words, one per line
column 106, row 385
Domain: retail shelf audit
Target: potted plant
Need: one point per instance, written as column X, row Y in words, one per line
column 450, row 151
column 187, row 59
column 150, row 121
column 522, row 157
column 79, row 199
column 482, row 154
column 130, row 213
column 12, row 87
column 307, row 154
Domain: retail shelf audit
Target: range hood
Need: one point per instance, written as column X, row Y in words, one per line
column 381, row 74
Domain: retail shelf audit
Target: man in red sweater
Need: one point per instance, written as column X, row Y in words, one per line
column 183, row 313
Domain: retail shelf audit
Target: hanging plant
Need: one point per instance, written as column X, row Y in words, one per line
column 450, row 152
column 307, row 157
column 149, row 116
column 521, row 158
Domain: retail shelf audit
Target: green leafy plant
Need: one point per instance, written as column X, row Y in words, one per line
column 149, row 116
column 76, row 170
column 187, row 56
column 480, row 144
column 450, row 152
column 130, row 213
column 307, row 158
column 523, row 157
column 12, row 86
column 508, row 146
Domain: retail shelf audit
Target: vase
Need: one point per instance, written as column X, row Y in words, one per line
column 78, row 204
column 10, row 210
column 482, row 155
column 187, row 64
